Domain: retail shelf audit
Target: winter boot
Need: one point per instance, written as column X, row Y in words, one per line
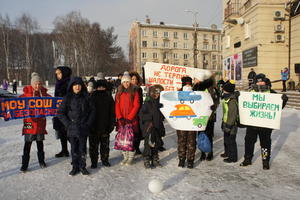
column 94, row 165
column 125, row 157
column 210, row 156
column 155, row 161
column 203, row 156
column 84, row 171
column 161, row 149
column 246, row 162
column 25, row 162
column 62, row 154
column 265, row 155
column 74, row 171
column 41, row 158
column 106, row 163
column 181, row 162
column 224, row 155
column 266, row 165
column 130, row 157
column 190, row 164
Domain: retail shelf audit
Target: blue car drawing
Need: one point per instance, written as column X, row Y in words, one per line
column 190, row 96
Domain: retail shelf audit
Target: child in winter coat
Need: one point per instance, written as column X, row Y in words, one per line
column 186, row 139
column 261, row 84
column 34, row 129
column 103, row 125
column 151, row 120
column 77, row 114
column 63, row 75
column 126, row 108
column 229, row 122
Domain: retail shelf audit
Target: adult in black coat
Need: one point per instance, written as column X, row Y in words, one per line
column 103, row 125
column 63, row 75
column 251, row 77
column 77, row 114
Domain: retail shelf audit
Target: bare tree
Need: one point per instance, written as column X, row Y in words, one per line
column 6, row 32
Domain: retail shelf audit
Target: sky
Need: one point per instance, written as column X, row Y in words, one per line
column 117, row 13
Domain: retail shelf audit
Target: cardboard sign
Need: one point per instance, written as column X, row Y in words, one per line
column 186, row 110
column 167, row 75
column 19, row 108
column 260, row 109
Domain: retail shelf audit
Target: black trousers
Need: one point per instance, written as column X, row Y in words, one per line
column 62, row 135
column 96, row 140
column 283, row 85
column 78, row 151
column 230, row 145
column 27, row 147
column 150, row 151
column 264, row 135
column 209, row 131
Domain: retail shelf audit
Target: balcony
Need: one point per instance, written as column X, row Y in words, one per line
column 232, row 10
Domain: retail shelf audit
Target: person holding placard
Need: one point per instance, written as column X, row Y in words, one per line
column 262, row 84
column 229, row 122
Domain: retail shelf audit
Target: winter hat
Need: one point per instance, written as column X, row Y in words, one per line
column 155, row 89
column 229, row 86
column 186, row 80
column 101, row 83
column 208, row 74
column 35, row 78
column 126, row 77
column 100, row 76
column 260, row 78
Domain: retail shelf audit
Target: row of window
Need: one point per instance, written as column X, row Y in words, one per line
column 176, row 56
column 166, row 44
column 175, row 35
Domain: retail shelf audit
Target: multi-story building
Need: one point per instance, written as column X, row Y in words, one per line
column 174, row 44
column 256, row 35
column 295, row 37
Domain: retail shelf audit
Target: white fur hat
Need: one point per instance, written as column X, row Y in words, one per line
column 126, row 77
column 35, row 78
column 200, row 76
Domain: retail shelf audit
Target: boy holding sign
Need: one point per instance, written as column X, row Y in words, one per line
column 263, row 85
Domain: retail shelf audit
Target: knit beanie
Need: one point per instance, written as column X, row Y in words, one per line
column 35, row 78
column 186, row 80
column 126, row 77
column 229, row 86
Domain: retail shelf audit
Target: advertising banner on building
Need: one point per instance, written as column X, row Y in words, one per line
column 250, row 57
column 228, row 69
column 260, row 109
column 238, row 65
column 186, row 110
column 167, row 75
column 19, row 108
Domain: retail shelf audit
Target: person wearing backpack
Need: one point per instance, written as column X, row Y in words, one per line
column 229, row 122
column 262, row 84
column 77, row 113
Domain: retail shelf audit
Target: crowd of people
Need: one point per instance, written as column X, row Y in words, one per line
column 89, row 113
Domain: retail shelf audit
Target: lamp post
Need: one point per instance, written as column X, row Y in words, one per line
column 195, row 36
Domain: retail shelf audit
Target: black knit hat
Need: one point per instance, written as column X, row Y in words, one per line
column 260, row 78
column 101, row 83
column 229, row 86
column 186, row 80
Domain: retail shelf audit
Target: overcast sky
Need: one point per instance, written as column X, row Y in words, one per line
column 117, row 13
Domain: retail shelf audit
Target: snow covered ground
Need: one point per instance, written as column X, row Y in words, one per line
column 208, row 180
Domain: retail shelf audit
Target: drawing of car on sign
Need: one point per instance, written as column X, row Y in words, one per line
column 201, row 121
column 182, row 96
column 183, row 111
column 188, row 96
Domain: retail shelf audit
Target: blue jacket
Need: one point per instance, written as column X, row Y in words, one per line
column 284, row 75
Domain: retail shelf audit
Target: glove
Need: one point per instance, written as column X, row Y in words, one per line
column 160, row 105
column 213, row 107
column 226, row 127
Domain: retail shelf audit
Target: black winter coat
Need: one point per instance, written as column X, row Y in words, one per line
column 76, row 111
column 151, row 117
column 104, row 112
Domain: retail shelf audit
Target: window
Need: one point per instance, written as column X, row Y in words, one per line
column 166, row 44
column 154, row 55
column 144, row 33
column 175, row 45
column 154, row 33
column 205, row 36
column 214, row 47
column 185, row 56
column 154, row 43
column 185, row 45
column 144, row 55
column 247, row 31
column 214, row 38
column 214, row 57
column 185, row 36
column 175, row 35
column 144, row 43
column 227, row 42
column 166, row 34
column 205, row 46
column 175, row 55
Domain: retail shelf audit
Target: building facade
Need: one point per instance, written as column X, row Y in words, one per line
column 256, row 35
column 174, row 44
column 295, row 38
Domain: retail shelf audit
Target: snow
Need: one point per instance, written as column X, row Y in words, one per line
column 208, row 180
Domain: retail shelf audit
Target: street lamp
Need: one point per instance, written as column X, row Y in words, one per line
column 195, row 35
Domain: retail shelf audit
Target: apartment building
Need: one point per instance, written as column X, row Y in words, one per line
column 174, row 44
column 256, row 35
